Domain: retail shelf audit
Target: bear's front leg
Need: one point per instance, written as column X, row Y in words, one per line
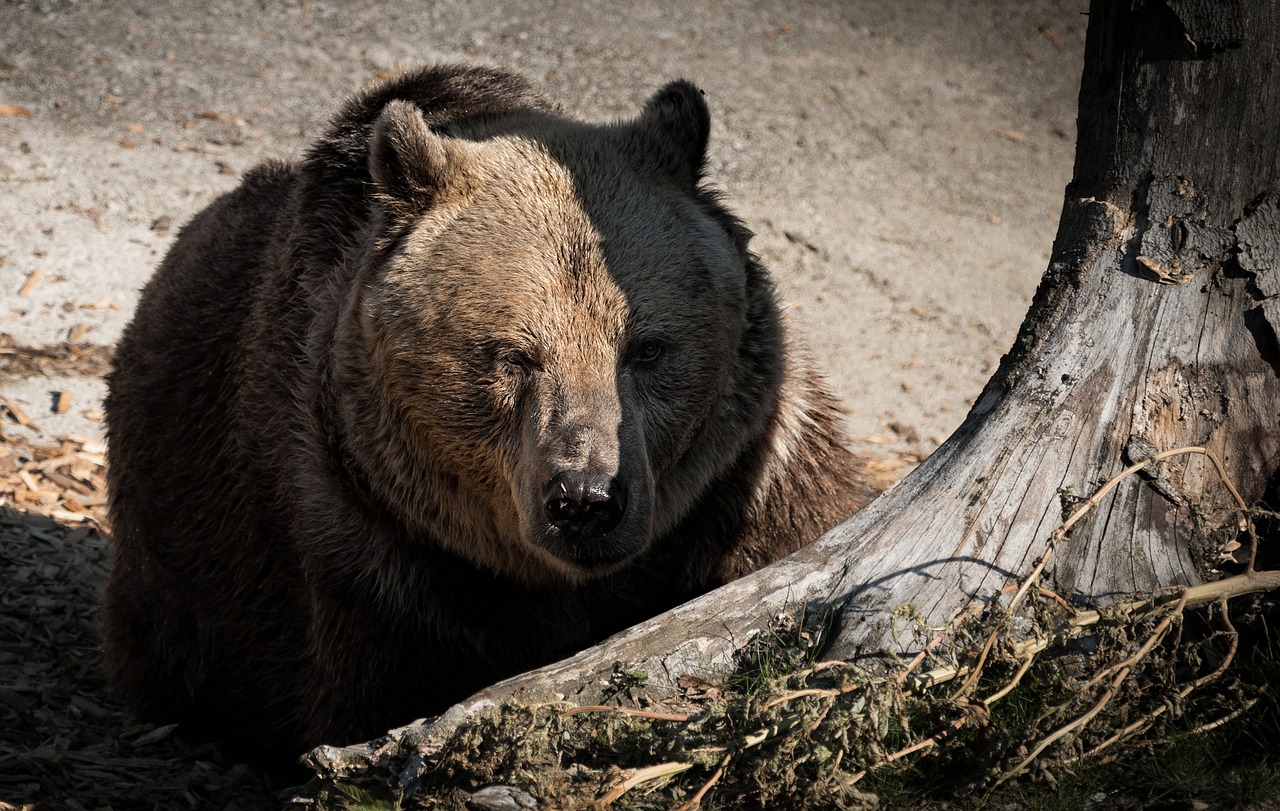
column 365, row 670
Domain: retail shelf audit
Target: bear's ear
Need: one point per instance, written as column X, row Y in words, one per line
column 409, row 164
column 677, row 122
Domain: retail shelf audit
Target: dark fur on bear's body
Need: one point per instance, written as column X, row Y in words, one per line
column 311, row 542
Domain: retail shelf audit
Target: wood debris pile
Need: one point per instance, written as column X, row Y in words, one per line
column 68, row 359
column 65, row 482
column 64, row 742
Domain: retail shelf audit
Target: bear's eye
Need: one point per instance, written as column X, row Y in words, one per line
column 647, row 351
column 518, row 360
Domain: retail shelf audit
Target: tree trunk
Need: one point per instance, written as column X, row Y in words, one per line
column 1155, row 326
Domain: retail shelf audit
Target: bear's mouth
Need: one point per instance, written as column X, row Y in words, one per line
column 598, row 555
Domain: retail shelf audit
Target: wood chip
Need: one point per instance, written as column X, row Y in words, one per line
column 14, row 111
column 157, row 734
column 68, row 482
column 78, row 332
column 29, row 480
column 15, row 413
column 101, row 304
column 31, row 282
column 62, row 403
column 876, row 439
column 87, row 444
column 883, row 464
column 68, row 515
column 1051, row 35
column 1012, row 135
column 89, row 707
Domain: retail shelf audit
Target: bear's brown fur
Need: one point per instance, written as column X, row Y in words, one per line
column 471, row 386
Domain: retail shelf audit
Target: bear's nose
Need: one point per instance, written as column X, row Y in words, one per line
column 584, row 504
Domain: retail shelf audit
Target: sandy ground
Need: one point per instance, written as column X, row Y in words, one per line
column 901, row 163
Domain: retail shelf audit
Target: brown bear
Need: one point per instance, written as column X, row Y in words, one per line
column 469, row 387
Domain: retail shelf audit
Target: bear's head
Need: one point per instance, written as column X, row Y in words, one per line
column 570, row 336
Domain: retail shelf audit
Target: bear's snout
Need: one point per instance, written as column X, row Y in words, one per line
column 584, row 506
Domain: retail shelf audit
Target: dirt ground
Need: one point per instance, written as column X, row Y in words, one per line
column 902, row 165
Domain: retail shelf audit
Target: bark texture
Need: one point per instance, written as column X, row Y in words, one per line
column 1155, row 326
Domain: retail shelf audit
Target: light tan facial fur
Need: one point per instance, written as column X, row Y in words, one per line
column 559, row 307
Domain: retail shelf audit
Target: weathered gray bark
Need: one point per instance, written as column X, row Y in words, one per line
column 1154, row 327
